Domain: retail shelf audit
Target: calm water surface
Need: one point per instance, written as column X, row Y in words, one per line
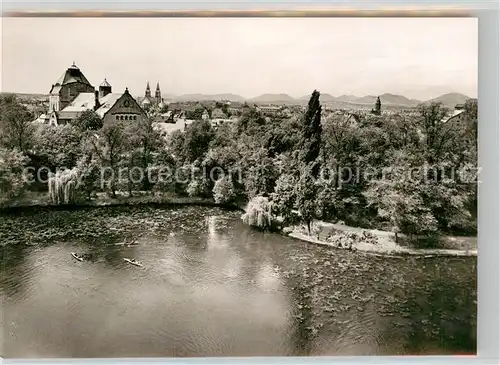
column 211, row 286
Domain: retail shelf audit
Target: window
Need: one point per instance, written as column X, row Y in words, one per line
column 126, row 117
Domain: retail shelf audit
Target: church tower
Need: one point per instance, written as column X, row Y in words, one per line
column 67, row 88
column 147, row 94
column 104, row 89
column 158, row 93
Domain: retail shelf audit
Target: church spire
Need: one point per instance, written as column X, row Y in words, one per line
column 148, row 91
column 158, row 93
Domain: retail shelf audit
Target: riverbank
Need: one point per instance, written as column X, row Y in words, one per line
column 32, row 200
column 379, row 243
column 338, row 236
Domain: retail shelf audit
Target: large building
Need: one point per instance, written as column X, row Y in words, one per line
column 148, row 101
column 73, row 94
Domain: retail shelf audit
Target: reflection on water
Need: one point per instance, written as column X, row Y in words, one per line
column 212, row 287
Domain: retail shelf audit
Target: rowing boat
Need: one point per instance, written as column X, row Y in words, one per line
column 126, row 244
column 76, row 256
column 133, row 262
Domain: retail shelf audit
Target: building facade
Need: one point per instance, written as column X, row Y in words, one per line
column 73, row 94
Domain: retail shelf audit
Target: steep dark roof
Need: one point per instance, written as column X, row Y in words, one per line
column 71, row 75
column 105, row 83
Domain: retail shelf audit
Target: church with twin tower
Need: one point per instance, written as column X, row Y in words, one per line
column 148, row 101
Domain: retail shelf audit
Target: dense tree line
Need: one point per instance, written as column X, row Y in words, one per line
column 335, row 167
column 415, row 174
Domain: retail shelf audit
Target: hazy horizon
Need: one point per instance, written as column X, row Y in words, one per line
column 419, row 58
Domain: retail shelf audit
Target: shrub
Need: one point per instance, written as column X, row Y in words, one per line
column 198, row 187
column 348, row 240
column 12, row 181
column 223, row 191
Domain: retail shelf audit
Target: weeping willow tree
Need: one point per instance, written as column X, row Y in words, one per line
column 62, row 186
column 258, row 213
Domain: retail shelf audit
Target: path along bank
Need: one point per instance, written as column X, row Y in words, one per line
column 379, row 243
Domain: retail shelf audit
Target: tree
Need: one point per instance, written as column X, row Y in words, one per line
column 435, row 130
column 280, row 136
column 402, row 132
column 284, row 198
column 470, row 108
column 341, row 139
column 57, row 146
column 13, row 180
column 448, row 202
column 378, row 107
column 197, row 138
column 144, row 141
column 199, row 186
column 258, row 213
column 249, row 119
column 16, row 127
column 109, row 146
column 311, row 133
column 224, row 190
column 164, row 108
column 310, row 147
column 259, row 174
column 306, row 191
column 400, row 198
column 88, row 120
column 161, row 170
column 62, row 186
column 328, row 200
column 88, row 182
column 197, row 113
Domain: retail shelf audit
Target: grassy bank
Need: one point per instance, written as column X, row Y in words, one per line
column 378, row 242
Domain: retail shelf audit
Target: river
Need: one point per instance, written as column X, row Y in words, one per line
column 211, row 286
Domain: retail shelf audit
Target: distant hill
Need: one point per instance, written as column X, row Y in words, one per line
column 346, row 98
column 367, row 99
column 26, row 97
column 387, row 99
column 207, row 97
column 323, row 97
column 168, row 96
column 273, row 98
column 450, row 100
column 394, row 99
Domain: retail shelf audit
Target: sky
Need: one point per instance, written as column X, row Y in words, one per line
column 420, row 58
